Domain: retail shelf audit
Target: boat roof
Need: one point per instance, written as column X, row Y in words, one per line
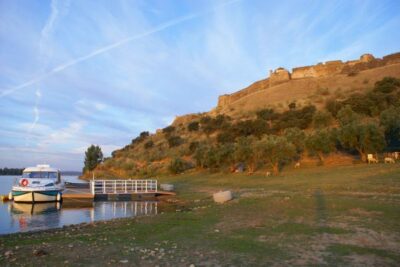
column 41, row 168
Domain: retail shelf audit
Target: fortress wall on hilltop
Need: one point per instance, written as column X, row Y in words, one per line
column 225, row 100
column 329, row 68
column 392, row 58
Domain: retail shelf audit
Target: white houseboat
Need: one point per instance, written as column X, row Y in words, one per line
column 38, row 184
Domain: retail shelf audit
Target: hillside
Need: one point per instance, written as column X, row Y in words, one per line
column 288, row 111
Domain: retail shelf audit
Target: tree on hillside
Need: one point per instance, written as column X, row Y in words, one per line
column 295, row 118
column 390, row 120
column 93, row 156
column 346, row 115
column 387, row 85
column 333, row 106
column 178, row 165
column 297, row 137
column 256, row 127
column 364, row 138
column 267, row 114
column 225, row 154
column 245, row 153
column 320, row 142
column 322, row 119
column 200, row 155
column 274, row 150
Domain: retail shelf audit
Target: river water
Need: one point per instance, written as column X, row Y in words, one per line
column 19, row 217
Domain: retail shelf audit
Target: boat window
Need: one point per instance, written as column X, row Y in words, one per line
column 39, row 175
column 52, row 175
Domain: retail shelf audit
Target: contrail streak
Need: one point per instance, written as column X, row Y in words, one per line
column 104, row 49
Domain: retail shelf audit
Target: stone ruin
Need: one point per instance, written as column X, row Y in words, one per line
column 329, row 68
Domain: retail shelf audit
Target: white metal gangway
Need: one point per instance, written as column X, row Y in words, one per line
column 113, row 187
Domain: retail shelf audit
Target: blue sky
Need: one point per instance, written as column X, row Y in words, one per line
column 75, row 73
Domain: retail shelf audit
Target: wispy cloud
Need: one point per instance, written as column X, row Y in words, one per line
column 109, row 47
column 36, row 113
column 45, row 53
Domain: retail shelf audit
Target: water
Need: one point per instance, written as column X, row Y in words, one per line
column 21, row 217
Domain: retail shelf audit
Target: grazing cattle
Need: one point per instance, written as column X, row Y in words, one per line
column 371, row 159
column 268, row 174
column 396, row 155
column 389, row 160
column 297, row 165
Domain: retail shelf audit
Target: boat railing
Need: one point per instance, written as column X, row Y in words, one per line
column 123, row 186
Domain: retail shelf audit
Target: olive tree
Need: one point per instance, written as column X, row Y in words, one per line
column 245, row 153
column 274, row 150
column 320, row 142
column 364, row 138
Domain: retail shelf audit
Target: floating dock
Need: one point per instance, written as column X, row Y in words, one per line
column 114, row 190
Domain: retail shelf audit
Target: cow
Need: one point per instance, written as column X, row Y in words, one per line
column 297, row 165
column 371, row 159
column 389, row 160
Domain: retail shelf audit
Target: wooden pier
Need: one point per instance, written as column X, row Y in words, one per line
column 114, row 190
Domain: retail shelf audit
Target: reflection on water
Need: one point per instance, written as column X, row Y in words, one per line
column 21, row 217
column 28, row 216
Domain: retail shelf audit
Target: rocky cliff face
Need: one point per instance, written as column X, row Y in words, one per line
column 327, row 69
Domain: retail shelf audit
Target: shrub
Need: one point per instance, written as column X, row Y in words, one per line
column 193, row 126
column 193, row 146
column 352, row 73
column 178, row 165
column 387, row 85
column 292, row 106
column 226, row 137
column 266, row 114
column 174, row 141
column 333, row 106
column 210, row 125
column 322, row 91
column 148, row 144
column 168, row 130
column 296, row 118
column 322, row 119
column 256, row 127
column 140, row 138
column 360, row 103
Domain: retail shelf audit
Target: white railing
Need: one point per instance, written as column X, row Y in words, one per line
column 122, row 186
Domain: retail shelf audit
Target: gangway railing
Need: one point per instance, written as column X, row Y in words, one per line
column 122, row 186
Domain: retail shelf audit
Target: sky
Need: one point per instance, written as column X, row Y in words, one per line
column 75, row 73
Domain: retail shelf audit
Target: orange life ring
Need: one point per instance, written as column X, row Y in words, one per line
column 24, row 182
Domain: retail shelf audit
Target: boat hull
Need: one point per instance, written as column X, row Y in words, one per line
column 36, row 196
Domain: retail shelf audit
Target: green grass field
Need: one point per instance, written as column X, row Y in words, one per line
column 333, row 216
